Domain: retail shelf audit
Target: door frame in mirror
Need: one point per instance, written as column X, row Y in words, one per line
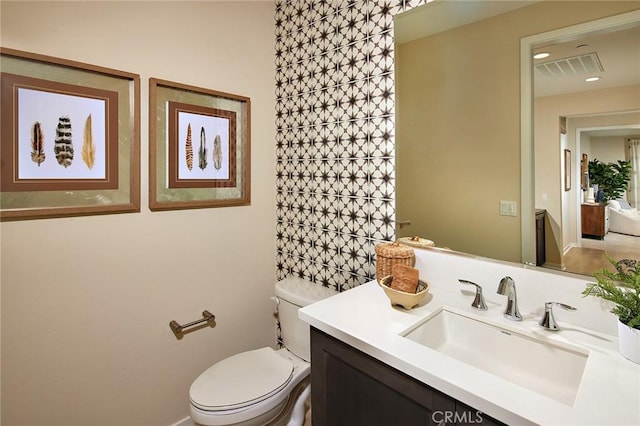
column 527, row 159
column 578, row 138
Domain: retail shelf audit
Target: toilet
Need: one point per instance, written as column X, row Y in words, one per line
column 263, row 386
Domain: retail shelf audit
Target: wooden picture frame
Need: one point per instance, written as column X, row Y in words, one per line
column 199, row 147
column 70, row 138
column 567, row 170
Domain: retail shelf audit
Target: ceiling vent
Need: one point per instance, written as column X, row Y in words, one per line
column 570, row 67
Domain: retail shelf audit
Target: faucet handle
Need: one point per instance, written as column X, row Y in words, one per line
column 478, row 301
column 548, row 321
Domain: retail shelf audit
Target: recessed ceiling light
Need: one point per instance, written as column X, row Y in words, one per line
column 592, row 79
column 541, row 55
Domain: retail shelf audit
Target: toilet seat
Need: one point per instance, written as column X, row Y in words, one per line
column 241, row 380
column 253, row 385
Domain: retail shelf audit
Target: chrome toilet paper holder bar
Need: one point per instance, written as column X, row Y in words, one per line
column 180, row 330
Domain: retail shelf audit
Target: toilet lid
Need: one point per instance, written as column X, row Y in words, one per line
column 241, row 380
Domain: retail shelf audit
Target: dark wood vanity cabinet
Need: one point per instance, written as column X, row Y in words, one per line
column 351, row 388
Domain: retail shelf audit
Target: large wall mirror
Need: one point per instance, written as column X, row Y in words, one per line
column 481, row 139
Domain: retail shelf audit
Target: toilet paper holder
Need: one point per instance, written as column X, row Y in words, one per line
column 180, row 330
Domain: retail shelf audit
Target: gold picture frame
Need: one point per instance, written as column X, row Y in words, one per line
column 199, row 147
column 70, row 138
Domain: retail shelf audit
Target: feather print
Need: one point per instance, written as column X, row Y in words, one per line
column 189, row 148
column 63, row 147
column 37, row 144
column 202, row 154
column 217, row 152
column 88, row 148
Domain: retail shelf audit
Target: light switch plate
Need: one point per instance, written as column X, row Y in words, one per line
column 508, row 208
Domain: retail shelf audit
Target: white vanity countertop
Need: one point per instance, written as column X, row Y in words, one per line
column 362, row 317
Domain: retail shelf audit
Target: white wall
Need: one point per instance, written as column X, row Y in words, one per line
column 86, row 301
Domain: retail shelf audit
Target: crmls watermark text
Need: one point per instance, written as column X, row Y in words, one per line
column 454, row 417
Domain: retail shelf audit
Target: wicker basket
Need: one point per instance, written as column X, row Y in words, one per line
column 389, row 254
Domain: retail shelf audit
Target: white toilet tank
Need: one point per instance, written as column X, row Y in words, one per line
column 292, row 294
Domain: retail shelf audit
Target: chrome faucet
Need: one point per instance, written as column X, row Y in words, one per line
column 478, row 301
column 507, row 287
column 548, row 321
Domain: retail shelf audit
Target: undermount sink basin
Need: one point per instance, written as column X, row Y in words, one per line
column 549, row 369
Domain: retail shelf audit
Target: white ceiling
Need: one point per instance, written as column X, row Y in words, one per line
column 619, row 55
column 441, row 15
column 625, row 131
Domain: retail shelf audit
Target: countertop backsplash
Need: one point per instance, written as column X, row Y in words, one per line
column 534, row 286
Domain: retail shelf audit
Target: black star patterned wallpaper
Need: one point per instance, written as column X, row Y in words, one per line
column 335, row 137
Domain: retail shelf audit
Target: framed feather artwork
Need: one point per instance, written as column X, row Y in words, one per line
column 199, row 147
column 70, row 138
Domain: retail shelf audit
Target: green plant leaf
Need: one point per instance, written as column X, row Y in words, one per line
column 621, row 287
column 611, row 178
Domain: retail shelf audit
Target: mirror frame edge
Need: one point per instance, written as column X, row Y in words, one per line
column 527, row 151
column 527, row 157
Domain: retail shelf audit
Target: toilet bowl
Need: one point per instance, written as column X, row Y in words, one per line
column 260, row 387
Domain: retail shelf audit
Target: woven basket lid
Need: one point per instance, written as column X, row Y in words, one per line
column 394, row 250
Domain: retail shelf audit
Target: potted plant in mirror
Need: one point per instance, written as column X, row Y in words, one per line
column 622, row 288
column 611, row 178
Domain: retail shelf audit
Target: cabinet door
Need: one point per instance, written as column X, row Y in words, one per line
column 351, row 388
column 593, row 220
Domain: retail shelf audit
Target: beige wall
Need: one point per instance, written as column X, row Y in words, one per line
column 609, row 149
column 86, row 301
column 457, row 139
column 458, row 126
